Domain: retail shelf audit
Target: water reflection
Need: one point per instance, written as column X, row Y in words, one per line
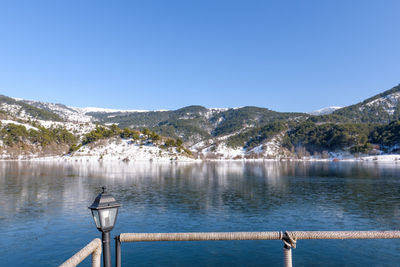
column 338, row 188
column 43, row 206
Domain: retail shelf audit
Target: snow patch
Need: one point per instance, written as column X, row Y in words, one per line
column 73, row 127
column 324, row 111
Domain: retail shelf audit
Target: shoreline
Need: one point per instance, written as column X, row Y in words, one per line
column 389, row 158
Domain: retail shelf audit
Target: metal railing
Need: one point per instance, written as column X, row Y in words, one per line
column 93, row 248
column 289, row 238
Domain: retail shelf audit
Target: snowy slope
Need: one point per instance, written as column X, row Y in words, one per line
column 15, row 110
column 117, row 149
column 67, row 113
column 381, row 108
column 389, row 103
column 217, row 149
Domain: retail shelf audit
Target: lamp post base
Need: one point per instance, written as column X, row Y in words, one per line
column 105, row 236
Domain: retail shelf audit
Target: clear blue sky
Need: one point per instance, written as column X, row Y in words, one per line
column 283, row 55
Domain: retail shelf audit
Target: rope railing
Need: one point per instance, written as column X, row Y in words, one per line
column 93, row 248
column 212, row 236
column 289, row 238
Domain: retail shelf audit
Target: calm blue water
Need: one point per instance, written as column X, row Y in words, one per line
column 44, row 217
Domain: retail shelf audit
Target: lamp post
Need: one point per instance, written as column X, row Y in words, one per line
column 104, row 210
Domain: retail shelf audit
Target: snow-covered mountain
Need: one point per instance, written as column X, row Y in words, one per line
column 324, row 111
column 229, row 133
column 192, row 124
column 207, row 130
column 32, row 130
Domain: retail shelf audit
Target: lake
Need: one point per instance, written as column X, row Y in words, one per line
column 44, row 216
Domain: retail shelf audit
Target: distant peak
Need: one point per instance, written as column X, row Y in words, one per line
column 324, row 111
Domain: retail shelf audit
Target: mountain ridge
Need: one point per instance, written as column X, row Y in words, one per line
column 381, row 108
column 241, row 132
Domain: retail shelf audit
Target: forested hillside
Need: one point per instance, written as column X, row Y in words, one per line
column 369, row 127
column 382, row 108
column 194, row 123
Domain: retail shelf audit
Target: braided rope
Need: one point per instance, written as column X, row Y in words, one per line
column 345, row 234
column 211, row 236
column 288, row 237
column 93, row 248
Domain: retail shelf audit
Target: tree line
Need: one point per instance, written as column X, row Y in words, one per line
column 13, row 134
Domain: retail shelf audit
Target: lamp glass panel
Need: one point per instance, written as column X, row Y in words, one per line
column 96, row 218
column 107, row 217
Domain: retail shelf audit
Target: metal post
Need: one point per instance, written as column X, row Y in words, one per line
column 287, row 256
column 106, row 249
column 117, row 252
